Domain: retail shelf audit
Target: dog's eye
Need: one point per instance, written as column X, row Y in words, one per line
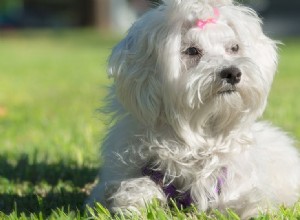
column 192, row 51
column 235, row 48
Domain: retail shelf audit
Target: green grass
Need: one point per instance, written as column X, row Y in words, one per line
column 51, row 84
column 50, row 87
column 284, row 103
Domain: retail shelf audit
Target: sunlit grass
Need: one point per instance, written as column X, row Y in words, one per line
column 284, row 103
column 51, row 85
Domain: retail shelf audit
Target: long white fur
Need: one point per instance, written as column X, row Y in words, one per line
column 168, row 111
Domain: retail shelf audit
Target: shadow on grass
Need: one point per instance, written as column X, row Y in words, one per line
column 35, row 172
column 66, row 186
column 33, row 204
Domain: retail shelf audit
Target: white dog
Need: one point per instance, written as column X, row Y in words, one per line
column 191, row 79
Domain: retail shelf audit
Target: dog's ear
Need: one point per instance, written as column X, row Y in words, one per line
column 133, row 66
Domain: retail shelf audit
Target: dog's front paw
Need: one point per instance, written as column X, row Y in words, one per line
column 134, row 194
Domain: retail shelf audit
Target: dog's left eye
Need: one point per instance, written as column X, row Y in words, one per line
column 192, row 51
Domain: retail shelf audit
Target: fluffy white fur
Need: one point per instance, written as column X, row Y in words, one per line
column 174, row 110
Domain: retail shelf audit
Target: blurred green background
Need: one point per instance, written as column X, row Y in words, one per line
column 52, row 81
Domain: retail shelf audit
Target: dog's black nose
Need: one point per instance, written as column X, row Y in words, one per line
column 232, row 75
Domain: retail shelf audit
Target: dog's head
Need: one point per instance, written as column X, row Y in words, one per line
column 195, row 65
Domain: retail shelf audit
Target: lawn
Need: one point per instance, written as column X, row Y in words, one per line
column 51, row 85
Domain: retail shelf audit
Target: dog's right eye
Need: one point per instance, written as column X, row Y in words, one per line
column 192, row 51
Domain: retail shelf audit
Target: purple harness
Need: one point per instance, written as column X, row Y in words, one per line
column 182, row 199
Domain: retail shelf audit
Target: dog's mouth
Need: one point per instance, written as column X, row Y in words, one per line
column 229, row 91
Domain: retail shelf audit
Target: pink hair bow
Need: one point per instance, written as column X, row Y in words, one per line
column 202, row 23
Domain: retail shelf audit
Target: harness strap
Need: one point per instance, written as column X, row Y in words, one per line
column 182, row 199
